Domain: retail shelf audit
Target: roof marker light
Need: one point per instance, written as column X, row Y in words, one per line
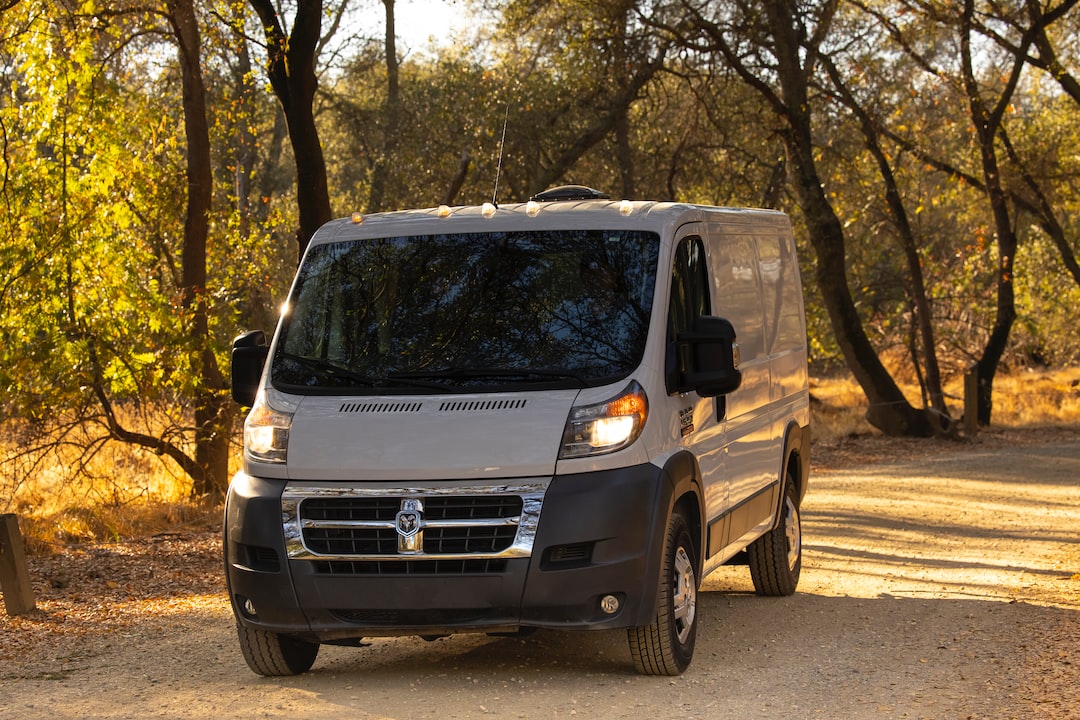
column 487, row 210
column 357, row 218
column 532, row 208
column 443, row 211
column 625, row 208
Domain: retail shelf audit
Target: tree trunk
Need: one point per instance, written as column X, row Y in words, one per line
column 783, row 81
column 889, row 410
column 917, row 285
column 458, row 180
column 212, row 413
column 986, row 122
column 391, row 115
column 291, row 68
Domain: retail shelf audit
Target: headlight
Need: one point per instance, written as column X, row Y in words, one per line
column 266, row 432
column 607, row 426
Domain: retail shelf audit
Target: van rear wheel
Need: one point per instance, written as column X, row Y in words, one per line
column 273, row 654
column 666, row 646
column 776, row 557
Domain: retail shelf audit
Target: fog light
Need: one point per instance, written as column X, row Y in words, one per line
column 609, row 604
column 249, row 607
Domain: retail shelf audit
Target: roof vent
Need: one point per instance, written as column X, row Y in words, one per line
column 570, row 192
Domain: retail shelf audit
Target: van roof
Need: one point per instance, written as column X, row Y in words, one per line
column 566, row 214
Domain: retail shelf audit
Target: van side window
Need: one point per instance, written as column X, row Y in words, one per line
column 689, row 300
column 739, row 291
column 783, row 314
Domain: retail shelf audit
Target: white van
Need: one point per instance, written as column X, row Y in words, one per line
column 536, row 415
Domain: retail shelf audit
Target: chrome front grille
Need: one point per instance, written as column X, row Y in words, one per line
column 451, row 526
column 371, row 529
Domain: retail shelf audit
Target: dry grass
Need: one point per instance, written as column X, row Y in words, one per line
column 127, row 492
column 44, row 533
column 64, row 493
column 1026, row 399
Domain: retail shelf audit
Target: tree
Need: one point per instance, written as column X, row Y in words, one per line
column 775, row 49
column 1036, row 33
column 558, row 39
column 109, row 308
column 989, row 82
column 873, row 139
column 987, row 116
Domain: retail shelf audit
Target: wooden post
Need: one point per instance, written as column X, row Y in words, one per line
column 971, row 401
column 14, row 578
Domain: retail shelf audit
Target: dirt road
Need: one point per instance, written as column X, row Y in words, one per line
column 938, row 583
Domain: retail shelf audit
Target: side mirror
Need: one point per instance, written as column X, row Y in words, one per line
column 248, row 357
column 714, row 366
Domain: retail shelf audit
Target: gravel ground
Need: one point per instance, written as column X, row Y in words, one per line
column 941, row 579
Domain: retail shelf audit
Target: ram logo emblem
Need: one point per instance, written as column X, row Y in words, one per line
column 408, row 522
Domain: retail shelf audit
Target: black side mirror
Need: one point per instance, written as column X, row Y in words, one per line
column 248, row 357
column 712, row 347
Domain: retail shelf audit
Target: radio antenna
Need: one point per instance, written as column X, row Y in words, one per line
column 498, row 168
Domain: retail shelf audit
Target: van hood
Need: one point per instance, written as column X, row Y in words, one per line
column 423, row 437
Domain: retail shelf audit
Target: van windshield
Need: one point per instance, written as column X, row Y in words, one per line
column 470, row 312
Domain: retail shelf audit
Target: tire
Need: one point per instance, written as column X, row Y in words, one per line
column 776, row 557
column 666, row 646
column 274, row 655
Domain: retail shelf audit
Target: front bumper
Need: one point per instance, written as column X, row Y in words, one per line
column 579, row 538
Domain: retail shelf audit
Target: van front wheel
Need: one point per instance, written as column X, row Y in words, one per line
column 776, row 557
column 273, row 654
column 666, row 646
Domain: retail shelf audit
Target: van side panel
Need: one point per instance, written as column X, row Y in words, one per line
column 752, row 443
column 736, row 295
column 755, row 285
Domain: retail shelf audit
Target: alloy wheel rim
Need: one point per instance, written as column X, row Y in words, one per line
column 792, row 533
column 684, row 602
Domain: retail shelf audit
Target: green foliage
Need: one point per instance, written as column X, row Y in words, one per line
column 1046, row 333
column 72, row 232
column 91, row 317
column 450, row 105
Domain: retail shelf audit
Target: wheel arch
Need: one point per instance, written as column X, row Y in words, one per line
column 796, row 462
column 687, row 495
column 682, row 491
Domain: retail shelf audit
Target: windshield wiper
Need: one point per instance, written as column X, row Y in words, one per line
column 343, row 373
column 330, row 369
column 491, row 372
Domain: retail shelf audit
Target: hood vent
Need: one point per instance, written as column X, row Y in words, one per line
column 481, row 405
column 381, row 407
